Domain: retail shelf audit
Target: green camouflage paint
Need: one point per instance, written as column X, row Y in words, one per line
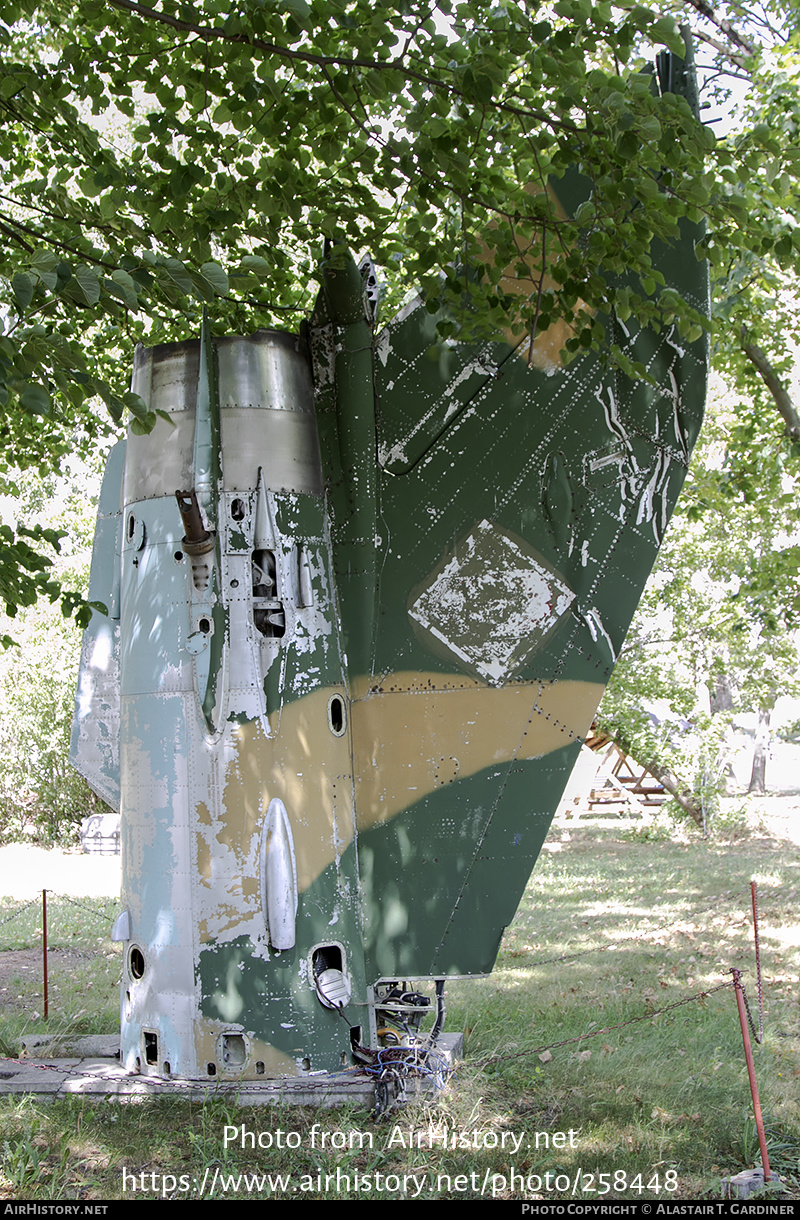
column 337, row 758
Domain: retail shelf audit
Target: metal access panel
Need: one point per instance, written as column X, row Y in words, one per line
column 364, row 592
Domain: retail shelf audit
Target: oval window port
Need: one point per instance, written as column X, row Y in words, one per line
column 337, row 715
column 136, row 963
column 329, row 972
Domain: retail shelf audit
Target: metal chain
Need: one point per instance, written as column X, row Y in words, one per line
column 17, row 913
column 99, row 914
column 393, row 1065
column 567, row 957
column 537, row 1050
column 758, row 1034
column 759, row 1037
column 82, row 906
column 390, row 1086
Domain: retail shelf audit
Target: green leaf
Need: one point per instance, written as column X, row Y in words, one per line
column 22, row 287
column 35, row 400
column 178, row 274
column 128, row 287
column 628, row 145
column 649, row 128
column 257, row 265
column 298, row 8
column 202, row 288
column 143, row 427
column 44, row 263
column 88, row 283
column 137, row 407
column 10, row 84
column 216, row 277
column 666, row 30
column 646, row 188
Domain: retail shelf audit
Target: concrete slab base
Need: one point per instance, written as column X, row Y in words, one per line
column 70, row 1046
column 746, row 1183
column 90, row 1067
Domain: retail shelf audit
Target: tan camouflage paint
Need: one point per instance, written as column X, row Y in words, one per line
column 451, row 727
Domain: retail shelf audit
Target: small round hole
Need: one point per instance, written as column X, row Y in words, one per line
column 179, row 556
column 136, row 962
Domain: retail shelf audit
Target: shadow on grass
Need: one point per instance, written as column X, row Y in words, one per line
column 609, row 931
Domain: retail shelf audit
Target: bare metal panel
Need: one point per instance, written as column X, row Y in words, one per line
column 166, row 376
column 161, row 462
column 267, row 369
column 282, row 443
column 267, row 372
column 94, row 745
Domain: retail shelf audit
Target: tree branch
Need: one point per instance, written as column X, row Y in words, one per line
column 725, row 27
column 322, row 61
column 761, row 362
column 743, row 61
column 15, row 237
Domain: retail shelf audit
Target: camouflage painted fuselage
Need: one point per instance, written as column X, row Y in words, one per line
column 338, row 726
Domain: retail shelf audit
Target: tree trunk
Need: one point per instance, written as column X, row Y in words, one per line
column 669, row 781
column 721, row 695
column 678, row 791
column 758, row 775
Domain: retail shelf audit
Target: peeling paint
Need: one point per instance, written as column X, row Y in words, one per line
column 522, row 600
column 357, row 707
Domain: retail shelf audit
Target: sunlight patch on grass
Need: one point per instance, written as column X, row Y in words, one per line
column 637, row 926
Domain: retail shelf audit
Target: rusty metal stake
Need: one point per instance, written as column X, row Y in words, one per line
column 44, row 948
column 751, row 1072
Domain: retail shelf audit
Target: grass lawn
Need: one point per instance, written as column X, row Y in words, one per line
column 616, row 925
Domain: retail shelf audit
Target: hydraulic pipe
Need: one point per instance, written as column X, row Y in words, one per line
column 196, row 536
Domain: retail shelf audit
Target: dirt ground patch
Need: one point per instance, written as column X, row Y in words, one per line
column 25, row 870
column 18, row 967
